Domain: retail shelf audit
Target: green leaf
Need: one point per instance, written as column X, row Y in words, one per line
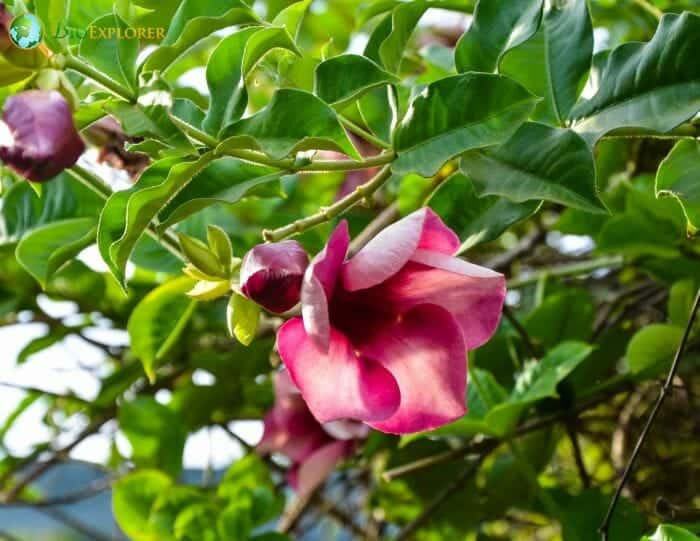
column 457, row 114
column 230, row 64
column 226, row 180
column 9, row 73
column 641, row 88
column 476, row 219
column 155, row 433
column 566, row 315
column 42, row 343
column 220, row 245
column 201, row 257
column 388, row 42
column 498, row 26
column 158, row 321
column 46, row 249
column 292, row 17
column 537, row 162
column 345, row 78
column 668, row 532
column 62, row 198
column 294, row 120
column 537, row 381
column 242, row 316
column 678, row 176
column 164, row 511
column 584, row 512
column 133, row 497
column 197, row 523
column 680, row 302
column 568, row 38
column 52, row 13
column 652, row 348
column 194, row 21
column 128, row 213
column 114, row 55
column 235, row 521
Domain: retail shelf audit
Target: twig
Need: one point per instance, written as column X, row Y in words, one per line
column 665, row 390
column 74, row 524
column 42, row 467
column 328, row 213
column 385, row 218
column 88, row 492
column 463, row 478
column 522, row 331
column 572, row 269
column 578, row 455
column 292, row 515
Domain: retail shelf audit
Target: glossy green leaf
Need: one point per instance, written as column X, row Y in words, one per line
column 155, row 433
column 291, row 17
column 62, row 198
column 193, row 21
column 127, row 214
column 498, row 26
column 651, row 349
column 158, row 321
column 554, row 62
column 562, row 316
column 640, row 88
column 668, row 532
column 133, row 497
column 343, row 79
column 167, row 507
column 537, row 381
column 52, row 13
column 220, row 245
column 392, row 37
column 46, row 249
column 458, row 114
column 294, row 120
column 680, row 302
column 9, row 73
column 678, row 176
column 114, row 55
column 242, row 316
column 476, row 219
column 230, row 64
column 197, row 523
column 537, row 162
column 226, row 181
column 201, row 257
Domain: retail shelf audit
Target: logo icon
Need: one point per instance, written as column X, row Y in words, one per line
column 26, row 31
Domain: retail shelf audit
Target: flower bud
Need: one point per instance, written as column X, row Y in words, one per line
column 271, row 274
column 38, row 139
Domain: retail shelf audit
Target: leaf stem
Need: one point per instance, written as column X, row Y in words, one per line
column 649, row 8
column 287, row 164
column 361, row 132
column 666, row 389
column 91, row 181
column 571, row 269
column 328, row 213
column 76, row 64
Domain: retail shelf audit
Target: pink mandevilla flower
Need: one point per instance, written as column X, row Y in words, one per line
column 37, row 136
column 383, row 336
column 313, row 449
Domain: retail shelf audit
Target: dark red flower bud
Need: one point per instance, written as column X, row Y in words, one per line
column 271, row 274
column 39, row 139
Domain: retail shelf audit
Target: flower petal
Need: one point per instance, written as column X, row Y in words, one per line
column 425, row 351
column 289, row 427
column 319, row 283
column 45, row 140
column 474, row 295
column 389, row 251
column 336, row 384
column 314, row 470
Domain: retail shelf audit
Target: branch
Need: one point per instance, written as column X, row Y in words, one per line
column 461, row 480
column 328, row 213
column 666, row 389
column 571, row 269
